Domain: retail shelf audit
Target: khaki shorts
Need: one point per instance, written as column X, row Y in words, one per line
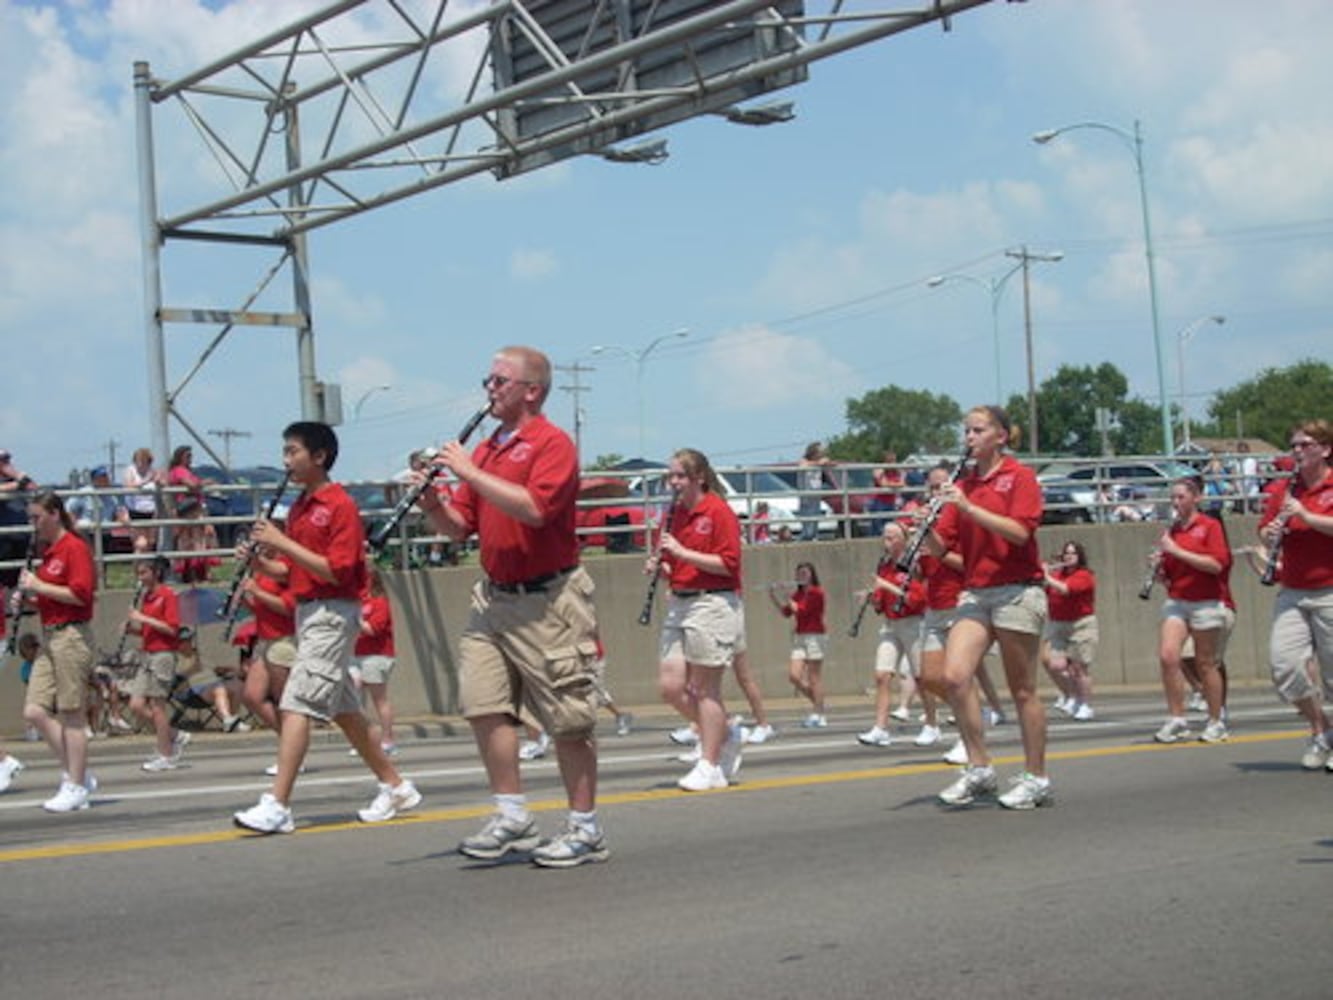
column 532, row 654
column 809, row 646
column 899, row 649
column 63, row 669
column 280, row 652
column 374, row 669
column 1014, row 607
column 702, row 630
column 1200, row 616
column 318, row 685
column 1228, row 623
column 155, row 677
column 935, row 627
column 1302, row 630
column 1076, row 640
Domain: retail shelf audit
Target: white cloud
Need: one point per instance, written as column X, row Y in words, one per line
column 755, row 368
column 529, row 265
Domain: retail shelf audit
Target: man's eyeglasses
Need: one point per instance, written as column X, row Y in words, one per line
column 500, row 381
column 1298, row 445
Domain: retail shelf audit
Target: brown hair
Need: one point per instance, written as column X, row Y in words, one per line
column 696, row 465
column 50, row 502
column 996, row 416
column 1320, row 430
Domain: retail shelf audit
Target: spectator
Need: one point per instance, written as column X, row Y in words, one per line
column 142, row 482
column 93, row 509
column 810, row 478
column 1249, row 477
column 888, row 480
column 12, row 479
column 196, row 536
column 180, row 474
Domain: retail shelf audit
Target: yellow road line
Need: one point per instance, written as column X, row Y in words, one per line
column 52, row 851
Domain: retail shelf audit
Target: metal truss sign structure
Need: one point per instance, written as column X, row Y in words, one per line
column 368, row 102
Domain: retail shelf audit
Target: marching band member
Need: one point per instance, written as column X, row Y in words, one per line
column 1070, row 644
column 901, row 598
column 805, row 606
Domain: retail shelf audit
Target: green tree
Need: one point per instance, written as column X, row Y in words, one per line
column 1067, row 405
column 607, row 461
column 1268, row 405
column 899, row 420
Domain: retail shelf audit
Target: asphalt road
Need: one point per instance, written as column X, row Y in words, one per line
column 829, row 871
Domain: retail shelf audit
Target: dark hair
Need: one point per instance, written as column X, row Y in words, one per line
column 315, row 437
column 161, row 567
column 1194, row 483
column 50, row 502
column 178, row 456
column 1077, row 547
column 814, row 573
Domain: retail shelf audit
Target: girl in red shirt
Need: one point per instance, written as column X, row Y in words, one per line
column 1193, row 557
column 993, row 511
column 374, row 654
column 805, row 670
column 700, row 554
column 1070, row 644
column 62, row 589
column 901, row 598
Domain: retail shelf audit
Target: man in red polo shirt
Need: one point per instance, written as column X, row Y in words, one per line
column 530, row 645
column 323, row 550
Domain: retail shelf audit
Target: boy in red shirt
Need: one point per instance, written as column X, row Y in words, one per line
column 325, row 546
column 156, row 617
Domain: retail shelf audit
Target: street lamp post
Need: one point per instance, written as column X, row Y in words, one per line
column 1134, row 141
column 639, row 357
column 1182, row 338
column 994, row 288
column 360, row 400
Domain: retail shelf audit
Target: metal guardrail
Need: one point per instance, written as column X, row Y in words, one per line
column 1103, row 497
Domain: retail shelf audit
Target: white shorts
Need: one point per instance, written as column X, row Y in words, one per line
column 899, row 649
column 809, row 646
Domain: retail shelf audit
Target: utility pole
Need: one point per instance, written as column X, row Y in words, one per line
column 227, row 433
column 576, row 390
column 1025, row 257
column 111, row 458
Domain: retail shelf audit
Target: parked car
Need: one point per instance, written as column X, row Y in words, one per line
column 745, row 490
column 1115, row 489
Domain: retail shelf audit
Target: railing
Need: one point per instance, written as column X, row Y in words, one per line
column 618, row 519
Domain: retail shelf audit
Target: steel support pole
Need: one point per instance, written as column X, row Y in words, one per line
column 311, row 405
column 150, row 248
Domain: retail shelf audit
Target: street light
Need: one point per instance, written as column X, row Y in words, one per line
column 639, row 357
column 1182, row 338
column 994, row 287
column 360, row 400
column 1134, row 142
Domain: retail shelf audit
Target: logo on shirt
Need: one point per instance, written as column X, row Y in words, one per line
column 521, row 452
column 703, row 525
column 321, row 517
column 56, row 567
column 1003, row 483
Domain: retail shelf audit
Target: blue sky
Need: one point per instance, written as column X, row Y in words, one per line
column 796, row 255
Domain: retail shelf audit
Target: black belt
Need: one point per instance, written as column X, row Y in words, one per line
column 61, row 625
column 706, row 590
column 536, row 585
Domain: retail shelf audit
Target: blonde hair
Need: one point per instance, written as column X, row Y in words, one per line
column 535, row 365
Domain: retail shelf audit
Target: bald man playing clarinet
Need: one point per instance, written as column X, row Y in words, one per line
column 529, row 648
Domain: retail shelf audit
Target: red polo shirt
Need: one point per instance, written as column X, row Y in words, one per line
column 541, row 458
column 328, row 523
column 270, row 624
column 1307, row 555
column 886, row 601
column 375, row 613
column 1204, row 535
column 710, row 526
column 1010, row 489
column 67, row 562
column 809, row 611
column 161, row 603
column 1080, row 600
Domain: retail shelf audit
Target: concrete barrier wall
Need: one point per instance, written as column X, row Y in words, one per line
column 431, row 606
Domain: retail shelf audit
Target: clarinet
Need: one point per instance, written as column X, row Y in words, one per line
column 16, row 599
column 409, row 499
column 231, row 607
column 135, row 602
column 1154, row 570
column 907, row 561
column 1274, row 550
column 646, row 614
column 854, row 629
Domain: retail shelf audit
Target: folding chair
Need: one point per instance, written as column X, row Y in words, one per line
column 191, row 707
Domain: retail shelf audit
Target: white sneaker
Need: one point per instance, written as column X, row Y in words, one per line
column 972, row 782
column 624, row 722
column 685, row 736
column 1061, row 704
column 956, row 754
column 1027, row 791
column 235, row 725
column 11, row 766
column 534, row 749
column 703, row 777
column 992, row 717
column 1084, row 713
column 272, row 769
column 761, row 734
column 814, row 721
column 178, row 744
column 1173, row 731
column 1215, row 732
column 691, row 756
column 268, row 816
column 730, row 759
column 159, row 763
column 1314, row 759
column 875, row 736
column 70, row 798
column 929, row 736
column 391, row 801
column 901, row 714
column 1196, row 703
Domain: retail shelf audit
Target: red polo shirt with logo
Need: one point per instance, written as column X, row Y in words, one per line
column 1010, row 489
column 67, row 562
column 1080, row 600
column 710, row 526
column 161, row 603
column 809, row 611
column 1307, row 555
column 378, row 641
column 1203, row 535
column 328, row 523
